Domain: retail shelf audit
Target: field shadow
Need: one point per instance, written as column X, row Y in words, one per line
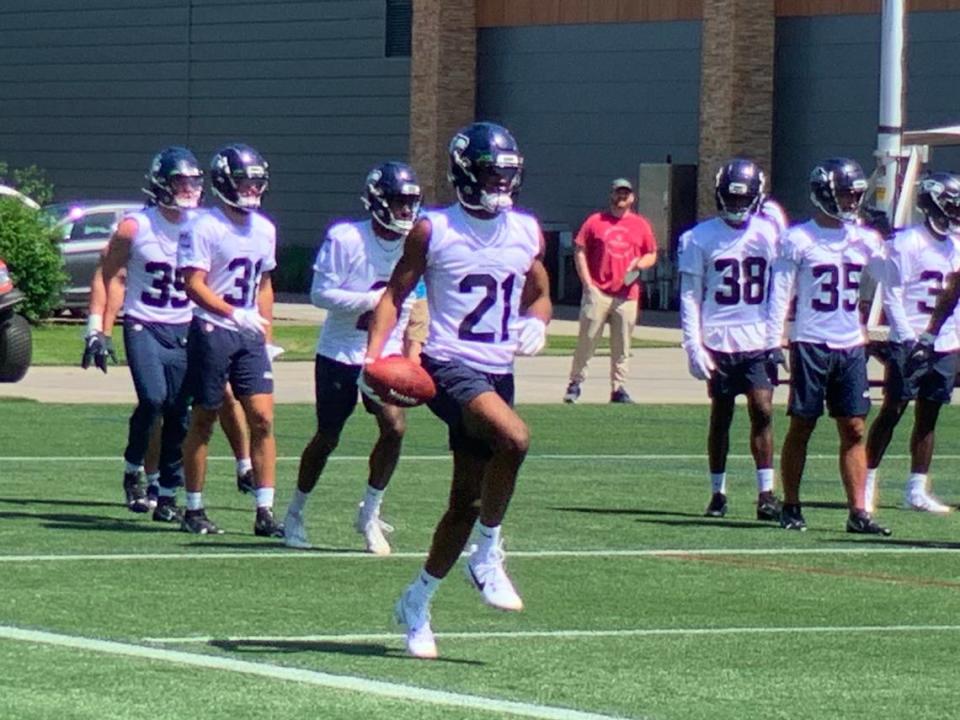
column 60, row 503
column 899, row 542
column 74, row 521
column 259, row 544
column 356, row 649
column 660, row 517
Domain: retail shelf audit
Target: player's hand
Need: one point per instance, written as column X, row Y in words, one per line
column 96, row 350
column 778, row 358
column 365, row 389
column 274, row 351
column 531, row 335
column 921, row 355
column 249, row 321
column 699, row 362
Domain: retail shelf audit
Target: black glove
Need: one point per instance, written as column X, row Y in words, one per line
column 882, row 350
column 775, row 356
column 97, row 349
column 920, row 357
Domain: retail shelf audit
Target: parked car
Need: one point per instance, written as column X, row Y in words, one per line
column 16, row 341
column 84, row 228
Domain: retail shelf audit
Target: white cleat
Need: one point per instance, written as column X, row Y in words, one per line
column 487, row 574
column 415, row 618
column 373, row 529
column 919, row 499
column 295, row 532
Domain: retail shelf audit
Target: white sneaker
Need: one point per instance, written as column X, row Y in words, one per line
column 373, row 529
column 294, row 531
column 920, row 499
column 487, row 574
column 415, row 617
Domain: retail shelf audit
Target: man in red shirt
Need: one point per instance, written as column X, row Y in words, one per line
column 610, row 250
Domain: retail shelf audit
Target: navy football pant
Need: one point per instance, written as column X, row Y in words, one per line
column 157, row 354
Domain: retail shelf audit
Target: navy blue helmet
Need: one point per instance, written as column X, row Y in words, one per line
column 174, row 179
column 486, row 167
column 837, row 187
column 392, row 195
column 938, row 198
column 239, row 176
column 740, row 187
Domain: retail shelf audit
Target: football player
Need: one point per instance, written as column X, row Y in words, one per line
column 488, row 298
column 98, row 341
column 226, row 269
column 156, row 316
column 921, row 258
column 823, row 259
column 724, row 272
column 352, row 268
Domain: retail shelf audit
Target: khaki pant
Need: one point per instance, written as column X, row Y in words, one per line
column 596, row 308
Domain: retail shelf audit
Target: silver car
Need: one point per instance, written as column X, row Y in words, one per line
column 83, row 230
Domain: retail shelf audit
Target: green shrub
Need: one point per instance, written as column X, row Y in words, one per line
column 28, row 244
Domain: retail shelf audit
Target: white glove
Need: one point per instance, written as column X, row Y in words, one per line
column 531, row 335
column 700, row 363
column 249, row 321
column 373, row 297
column 274, row 351
column 367, row 391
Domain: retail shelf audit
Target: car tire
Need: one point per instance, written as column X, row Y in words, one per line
column 16, row 348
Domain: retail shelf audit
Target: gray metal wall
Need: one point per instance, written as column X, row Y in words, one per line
column 588, row 103
column 90, row 90
column 827, row 92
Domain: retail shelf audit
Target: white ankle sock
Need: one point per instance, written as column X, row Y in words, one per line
column 263, row 496
column 424, row 587
column 194, row 501
column 765, row 480
column 243, row 465
column 371, row 501
column 130, row 468
column 488, row 538
column 917, row 481
column 299, row 501
column 153, row 478
column 718, row 482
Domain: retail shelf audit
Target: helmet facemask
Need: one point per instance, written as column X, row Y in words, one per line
column 840, row 203
column 493, row 181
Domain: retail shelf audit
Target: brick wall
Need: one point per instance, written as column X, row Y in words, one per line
column 442, row 87
column 736, row 88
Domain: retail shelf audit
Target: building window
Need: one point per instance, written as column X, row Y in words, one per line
column 399, row 27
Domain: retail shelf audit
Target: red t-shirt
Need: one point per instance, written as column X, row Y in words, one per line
column 610, row 245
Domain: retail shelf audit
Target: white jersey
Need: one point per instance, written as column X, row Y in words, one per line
column 825, row 265
column 351, row 264
column 154, row 291
column 918, row 265
column 476, row 270
column 734, row 264
column 234, row 257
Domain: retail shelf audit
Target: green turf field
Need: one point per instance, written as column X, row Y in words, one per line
column 636, row 606
column 62, row 343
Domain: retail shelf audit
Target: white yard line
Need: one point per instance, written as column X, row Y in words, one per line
column 283, row 554
column 561, row 634
column 350, row 683
column 437, row 458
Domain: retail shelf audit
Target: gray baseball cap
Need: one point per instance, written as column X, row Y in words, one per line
column 621, row 183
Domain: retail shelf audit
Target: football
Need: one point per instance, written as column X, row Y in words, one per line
column 399, row 381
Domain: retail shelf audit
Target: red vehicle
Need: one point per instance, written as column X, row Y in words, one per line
column 16, row 345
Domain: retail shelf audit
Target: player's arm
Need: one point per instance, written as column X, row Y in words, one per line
column 265, row 300
column 946, row 303
column 407, row 272
column 535, row 300
column 195, row 284
column 112, row 266
column 782, row 280
column 892, row 289
column 326, row 290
